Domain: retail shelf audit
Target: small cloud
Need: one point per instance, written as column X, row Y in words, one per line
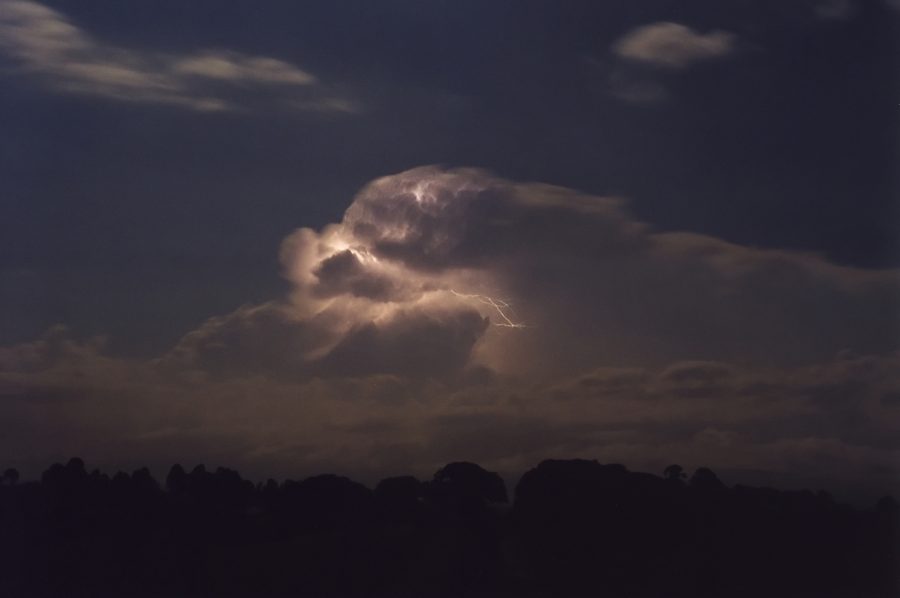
column 45, row 45
column 672, row 45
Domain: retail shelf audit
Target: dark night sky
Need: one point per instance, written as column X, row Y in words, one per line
column 787, row 143
column 135, row 210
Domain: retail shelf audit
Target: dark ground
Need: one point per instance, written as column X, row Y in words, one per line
column 576, row 528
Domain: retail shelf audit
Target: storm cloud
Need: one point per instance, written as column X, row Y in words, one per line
column 586, row 280
column 455, row 314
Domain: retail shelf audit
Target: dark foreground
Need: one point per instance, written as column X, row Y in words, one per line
column 576, row 528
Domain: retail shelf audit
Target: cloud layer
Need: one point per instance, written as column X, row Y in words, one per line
column 452, row 314
column 42, row 43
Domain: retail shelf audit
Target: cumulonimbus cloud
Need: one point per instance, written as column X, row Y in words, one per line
column 588, row 282
column 391, row 349
column 42, row 43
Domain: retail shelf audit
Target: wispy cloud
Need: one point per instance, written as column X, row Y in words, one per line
column 44, row 44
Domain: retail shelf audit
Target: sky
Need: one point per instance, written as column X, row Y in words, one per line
column 375, row 237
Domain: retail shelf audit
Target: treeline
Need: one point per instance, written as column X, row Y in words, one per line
column 575, row 528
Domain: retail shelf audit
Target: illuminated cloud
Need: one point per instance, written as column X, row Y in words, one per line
column 565, row 280
column 672, row 45
column 44, row 44
column 390, row 356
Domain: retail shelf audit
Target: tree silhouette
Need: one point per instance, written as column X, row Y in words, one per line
column 11, row 476
column 674, row 473
column 705, row 479
column 177, row 480
column 463, row 480
column 576, row 528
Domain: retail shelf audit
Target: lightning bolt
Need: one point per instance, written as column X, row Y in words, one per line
column 497, row 304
